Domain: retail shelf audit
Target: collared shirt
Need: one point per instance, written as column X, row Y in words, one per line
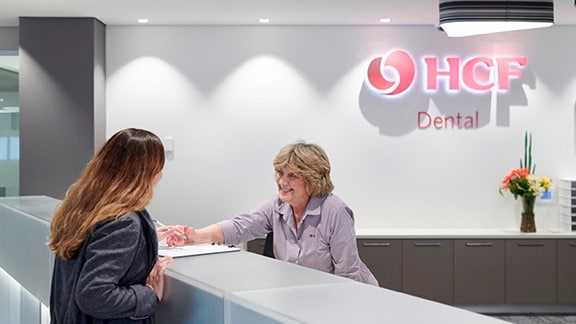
column 325, row 239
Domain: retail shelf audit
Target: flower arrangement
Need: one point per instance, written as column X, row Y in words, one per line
column 523, row 182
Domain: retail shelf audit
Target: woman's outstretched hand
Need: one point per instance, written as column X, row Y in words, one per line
column 182, row 235
column 164, row 231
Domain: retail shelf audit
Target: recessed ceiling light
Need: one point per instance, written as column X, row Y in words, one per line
column 143, row 20
column 264, row 20
column 385, row 20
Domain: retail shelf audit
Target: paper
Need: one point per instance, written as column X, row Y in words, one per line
column 194, row 249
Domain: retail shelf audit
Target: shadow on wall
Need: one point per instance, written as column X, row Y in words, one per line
column 439, row 108
column 574, row 139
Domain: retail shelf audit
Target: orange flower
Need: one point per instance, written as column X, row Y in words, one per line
column 520, row 182
column 513, row 175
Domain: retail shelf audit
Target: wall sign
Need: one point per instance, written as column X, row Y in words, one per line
column 398, row 74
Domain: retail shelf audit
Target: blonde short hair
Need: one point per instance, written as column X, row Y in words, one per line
column 310, row 162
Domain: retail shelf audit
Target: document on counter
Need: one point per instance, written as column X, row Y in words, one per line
column 194, row 249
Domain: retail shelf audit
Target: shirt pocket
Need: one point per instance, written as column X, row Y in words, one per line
column 315, row 250
column 313, row 242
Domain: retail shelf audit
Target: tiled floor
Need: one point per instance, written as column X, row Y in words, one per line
column 544, row 319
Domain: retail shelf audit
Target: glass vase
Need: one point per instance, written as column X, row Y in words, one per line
column 528, row 225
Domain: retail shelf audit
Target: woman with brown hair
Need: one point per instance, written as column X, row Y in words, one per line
column 106, row 268
column 312, row 227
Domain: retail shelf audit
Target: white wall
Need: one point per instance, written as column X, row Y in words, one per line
column 232, row 96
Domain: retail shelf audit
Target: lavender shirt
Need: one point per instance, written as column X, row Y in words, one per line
column 325, row 240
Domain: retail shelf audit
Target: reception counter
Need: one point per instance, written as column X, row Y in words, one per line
column 234, row 287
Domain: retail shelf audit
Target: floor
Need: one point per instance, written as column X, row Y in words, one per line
column 538, row 319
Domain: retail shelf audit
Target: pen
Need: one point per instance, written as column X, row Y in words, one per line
column 157, row 223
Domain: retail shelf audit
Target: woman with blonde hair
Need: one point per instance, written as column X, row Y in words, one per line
column 106, row 268
column 312, row 227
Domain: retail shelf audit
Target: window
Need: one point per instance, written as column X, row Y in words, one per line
column 9, row 125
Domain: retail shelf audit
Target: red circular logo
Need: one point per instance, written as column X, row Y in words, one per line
column 394, row 75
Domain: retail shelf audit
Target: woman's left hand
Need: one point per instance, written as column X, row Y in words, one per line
column 155, row 278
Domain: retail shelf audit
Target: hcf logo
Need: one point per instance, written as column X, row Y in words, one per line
column 395, row 73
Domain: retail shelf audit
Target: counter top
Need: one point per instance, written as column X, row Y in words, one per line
column 236, row 286
column 351, row 302
column 39, row 207
column 243, row 287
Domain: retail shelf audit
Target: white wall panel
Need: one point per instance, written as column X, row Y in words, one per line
column 231, row 96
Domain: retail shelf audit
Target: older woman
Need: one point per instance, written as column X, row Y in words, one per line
column 312, row 227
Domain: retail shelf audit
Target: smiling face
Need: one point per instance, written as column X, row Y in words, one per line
column 302, row 171
column 291, row 188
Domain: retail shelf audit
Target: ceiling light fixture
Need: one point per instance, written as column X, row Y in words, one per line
column 264, row 20
column 142, row 20
column 387, row 20
column 467, row 18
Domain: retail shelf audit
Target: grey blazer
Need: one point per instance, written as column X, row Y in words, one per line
column 106, row 282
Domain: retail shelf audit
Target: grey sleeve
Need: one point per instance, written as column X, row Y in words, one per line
column 343, row 244
column 109, row 255
column 247, row 226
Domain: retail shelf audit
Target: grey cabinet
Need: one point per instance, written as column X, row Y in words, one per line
column 479, row 272
column 384, row 259
column 566, row 271
column 428, row 269
column 472, row 271
column 531, row 271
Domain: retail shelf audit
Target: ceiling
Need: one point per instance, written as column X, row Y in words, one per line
column 244, row 12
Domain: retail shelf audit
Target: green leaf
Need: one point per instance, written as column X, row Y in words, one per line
column 530, row 153
column 525, row 151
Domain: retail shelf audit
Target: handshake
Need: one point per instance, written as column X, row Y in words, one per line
column 176, row 234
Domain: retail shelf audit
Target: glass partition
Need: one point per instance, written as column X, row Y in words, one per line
column 9, row 125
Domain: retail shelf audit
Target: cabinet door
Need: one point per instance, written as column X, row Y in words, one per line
column 479, row 271
column 256, row 246
column 531, row 271
column 428, row 269
column 566, row 271
column 384, row 259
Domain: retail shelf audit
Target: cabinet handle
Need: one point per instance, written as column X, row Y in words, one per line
column 478, row 244
column 426, row 244
column 261, row 243
column 531, row 244
column 572, row 244
column 376, row 244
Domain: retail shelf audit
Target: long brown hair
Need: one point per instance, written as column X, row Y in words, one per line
column 118, row 180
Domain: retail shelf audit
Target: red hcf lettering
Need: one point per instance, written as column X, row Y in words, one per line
column 477, row 73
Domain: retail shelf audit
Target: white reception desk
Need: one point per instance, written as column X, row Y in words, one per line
column 235, row 287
